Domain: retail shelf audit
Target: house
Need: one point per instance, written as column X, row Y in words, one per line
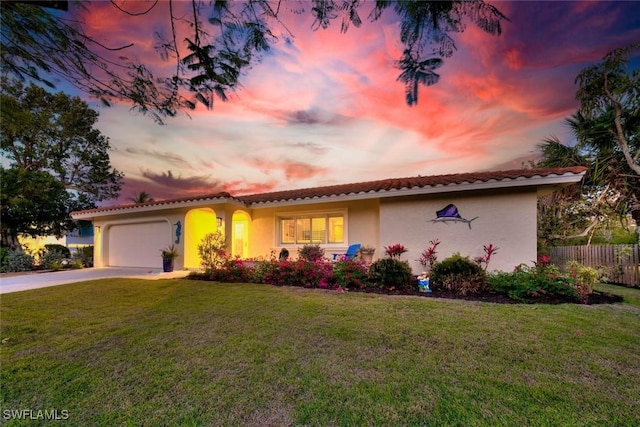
column 73, row 240
column 464, row 211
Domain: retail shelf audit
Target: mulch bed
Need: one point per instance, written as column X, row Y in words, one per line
column 596, row 297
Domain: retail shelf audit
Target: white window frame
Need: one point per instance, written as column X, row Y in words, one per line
column 312, row 214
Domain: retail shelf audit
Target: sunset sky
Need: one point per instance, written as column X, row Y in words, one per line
column 326, row 108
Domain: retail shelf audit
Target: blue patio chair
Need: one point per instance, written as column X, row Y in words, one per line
column 351, row 253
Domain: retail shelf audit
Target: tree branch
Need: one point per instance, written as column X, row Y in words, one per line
column 619, row 132
column 131, row 13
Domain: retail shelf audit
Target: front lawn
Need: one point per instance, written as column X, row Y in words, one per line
column 184, row 352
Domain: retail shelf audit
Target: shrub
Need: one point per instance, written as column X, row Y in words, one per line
column 212, row 251
column 232, row 270
column 85, row 256
column 66, row 253
column 311, row 253
column 458, row 274
column 19, row 261
column 351, row 273
column 391, row 273
column 76, row 262
column 265, row 270
column 318, row 274
column 540, row 282
column 4, row 253
column 586, row 275
column 52, row 259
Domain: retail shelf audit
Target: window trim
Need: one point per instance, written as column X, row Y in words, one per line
column 311, row 214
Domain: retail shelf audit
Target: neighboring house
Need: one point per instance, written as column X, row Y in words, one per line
column 492, row 207
column 80, row 237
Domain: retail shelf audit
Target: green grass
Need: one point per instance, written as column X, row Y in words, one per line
column 630, row 295
column 179, row 352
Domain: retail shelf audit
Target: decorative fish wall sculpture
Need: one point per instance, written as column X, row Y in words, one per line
column 450, row 214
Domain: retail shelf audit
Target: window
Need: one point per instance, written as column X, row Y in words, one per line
column 312, row 229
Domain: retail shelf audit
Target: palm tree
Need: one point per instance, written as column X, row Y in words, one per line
column 607, row 192
column 142, row 197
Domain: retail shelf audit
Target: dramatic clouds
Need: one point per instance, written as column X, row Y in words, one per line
column 325, row 108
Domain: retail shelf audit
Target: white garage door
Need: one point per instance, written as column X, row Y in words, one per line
column 139, row 244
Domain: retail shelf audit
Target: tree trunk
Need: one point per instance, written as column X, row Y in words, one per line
column 10, row 240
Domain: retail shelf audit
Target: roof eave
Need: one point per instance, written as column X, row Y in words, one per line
column 117, row 210
column 548, row 181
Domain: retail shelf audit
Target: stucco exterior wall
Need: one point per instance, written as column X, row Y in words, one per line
column 507, row 221
column 361, row 226
column 145, row 247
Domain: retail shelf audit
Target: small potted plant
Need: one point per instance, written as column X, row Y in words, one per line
column 169, row 254
column 366, row 253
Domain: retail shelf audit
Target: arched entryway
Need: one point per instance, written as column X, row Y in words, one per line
column 198, row 223
column 240, row 235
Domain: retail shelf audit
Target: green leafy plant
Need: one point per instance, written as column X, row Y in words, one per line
column 19, row 261
column 233, row 270
column 286, row 272
column 311, row 253
column 85, row 256
column 212, row 251
column 170, row 252
column 391, row 274
column 76, row 262
column 458, row 274
column 588, row 276
column 544, row 281
column 4, row 253
column 64, row 251
column 53, row 258
column 351, row 274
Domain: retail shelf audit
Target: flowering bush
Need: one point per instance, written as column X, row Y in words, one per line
column 318, row 274
column 212, row 252
column 311, row 253
column 543, row 261
column 428, row 257
column 232, row 270
column 351, row 274
column 394, row 251
column 586, row 275
column 542, row 281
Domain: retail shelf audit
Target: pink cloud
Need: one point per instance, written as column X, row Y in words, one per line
column 292, row 170
column 329, row 102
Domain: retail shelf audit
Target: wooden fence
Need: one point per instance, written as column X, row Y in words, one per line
column 621, row 263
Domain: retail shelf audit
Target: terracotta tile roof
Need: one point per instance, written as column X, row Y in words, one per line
column 359, row 188
column 222, row 196
column 406, row 183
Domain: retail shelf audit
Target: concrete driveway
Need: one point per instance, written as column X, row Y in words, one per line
column 34, row 280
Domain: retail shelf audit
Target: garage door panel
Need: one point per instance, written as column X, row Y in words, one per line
column 138, row 245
